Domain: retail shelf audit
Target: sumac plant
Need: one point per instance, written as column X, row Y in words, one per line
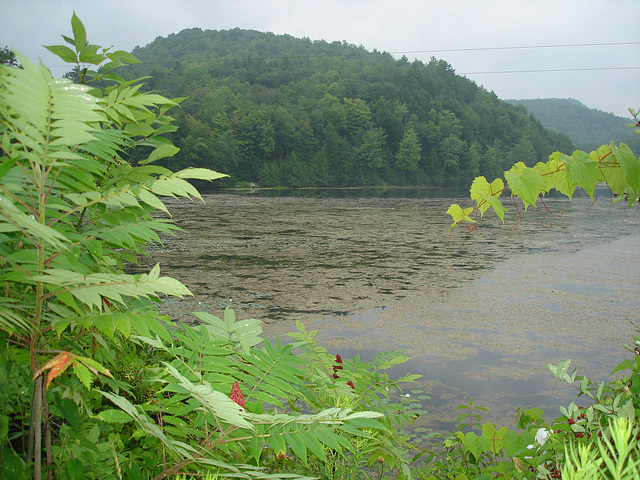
column 95, row 383
column 72, row 212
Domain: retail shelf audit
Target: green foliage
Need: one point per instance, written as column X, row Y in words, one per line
column 596, row 441
column 96, row 383
column 73, row 213
column 378, row 440
column 7, row 57
column 616, row 456
column 192, row 416
column 612, row 165
column 408, row 154
column 282, row 111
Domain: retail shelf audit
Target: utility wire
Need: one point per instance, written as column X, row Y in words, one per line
column 592, row 69
column 479, row 49
column 447, row 50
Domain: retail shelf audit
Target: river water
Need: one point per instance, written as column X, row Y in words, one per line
column 480, row 314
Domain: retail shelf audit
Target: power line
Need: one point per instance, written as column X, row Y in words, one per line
column 591, row 69
column 447, row 50
column 517, row 47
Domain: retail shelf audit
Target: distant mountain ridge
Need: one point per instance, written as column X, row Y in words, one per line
column 587, row 127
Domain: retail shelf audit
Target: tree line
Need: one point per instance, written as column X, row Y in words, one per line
column 283, row 111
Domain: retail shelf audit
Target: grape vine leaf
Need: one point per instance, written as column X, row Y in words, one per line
column 459, row 215
column 583, row 170
column 555, row 175
column 611, row 174
column 487, row 195
column 628, row 164
column 525, row 182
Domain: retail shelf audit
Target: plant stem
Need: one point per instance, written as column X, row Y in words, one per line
column 34, row 451
column 47, row 435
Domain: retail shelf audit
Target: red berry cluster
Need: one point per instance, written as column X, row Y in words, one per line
column 130, row 374
column 552, row 468
column 580, row 417
column 236, row 394
column 626, row 199
column 554, row 473
column 339, row 366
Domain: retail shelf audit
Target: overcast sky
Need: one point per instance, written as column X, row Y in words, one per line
column 598, row 76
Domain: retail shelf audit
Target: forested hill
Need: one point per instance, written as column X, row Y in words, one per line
column 587, row 127
column 283, row 111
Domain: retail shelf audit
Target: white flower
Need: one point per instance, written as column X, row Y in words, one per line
column 542, row 435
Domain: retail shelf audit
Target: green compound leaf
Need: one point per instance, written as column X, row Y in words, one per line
column 92, row 289
column 297, row 445
column 79, row 32
column 313, row 444
column 83, row 374
column 162, row 151
column 89, row 54
column 65, row 53
column 200, row 174
column 114, row 416
column 16, row 220
column 215, row 402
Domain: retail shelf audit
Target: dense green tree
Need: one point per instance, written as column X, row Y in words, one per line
column 256, row 99
column 408, row 156
column 391, row 116
column 451, row 151
column 524, row 152
column 474, row 158
column 96, row 382
column 357, row 118
column 370, row 153
column 7, row 57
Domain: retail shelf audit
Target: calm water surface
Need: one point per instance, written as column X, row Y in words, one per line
column 480, row 314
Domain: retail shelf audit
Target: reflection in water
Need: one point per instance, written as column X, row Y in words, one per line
column 480, row 314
